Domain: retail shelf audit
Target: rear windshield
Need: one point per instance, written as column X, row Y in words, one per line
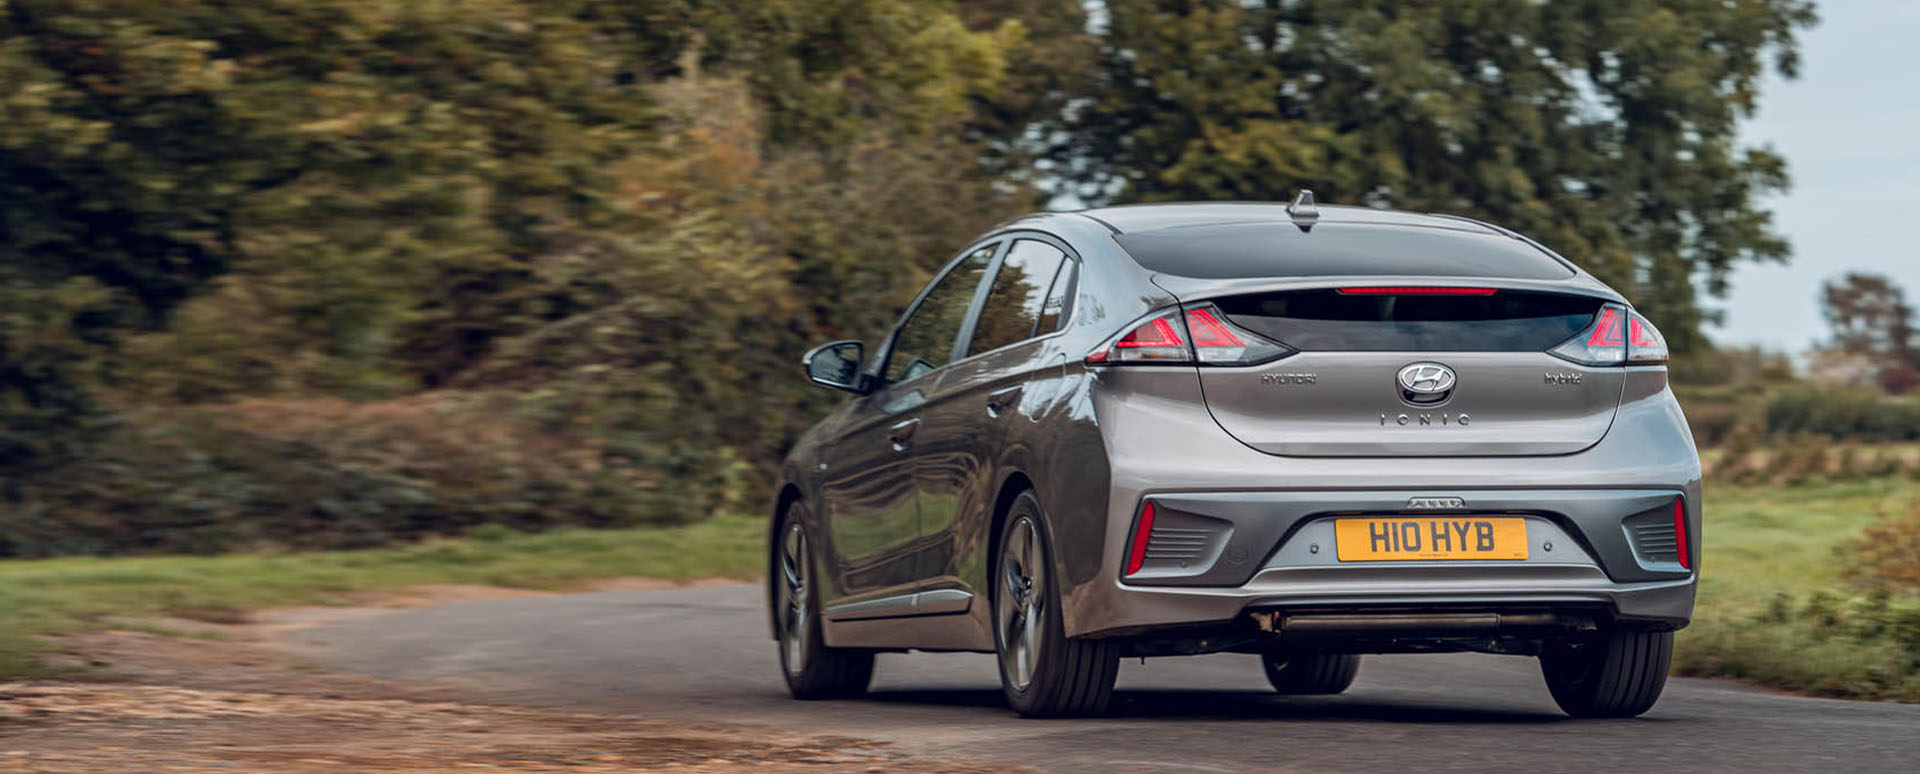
column 1246, row 250
column 1327, row 321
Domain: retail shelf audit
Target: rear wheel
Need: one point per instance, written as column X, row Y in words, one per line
column 1042, row 672
column 1618, row 674
column 813, row 670
column 1311, row 674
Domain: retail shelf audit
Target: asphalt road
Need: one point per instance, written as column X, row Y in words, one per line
column 703, row 654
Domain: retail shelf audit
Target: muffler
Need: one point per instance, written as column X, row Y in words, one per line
column 1309, row 626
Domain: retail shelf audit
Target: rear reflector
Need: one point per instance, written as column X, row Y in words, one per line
column 1680, row 531
column 1142, row 532
column 1416, row 290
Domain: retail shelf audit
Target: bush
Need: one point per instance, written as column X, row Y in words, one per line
column 1713, row 424
column 326, row 474
column 1855, row 414
column 1888, row 553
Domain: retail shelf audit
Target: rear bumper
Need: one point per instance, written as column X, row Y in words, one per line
column 1138, row 610
column 1276, row 551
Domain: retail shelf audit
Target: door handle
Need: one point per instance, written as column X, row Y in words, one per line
column 902, row 432
column 999, row 400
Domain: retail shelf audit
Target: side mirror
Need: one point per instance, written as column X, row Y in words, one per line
column 837, row 365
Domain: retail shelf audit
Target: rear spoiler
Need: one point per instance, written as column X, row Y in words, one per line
column 1189, row 289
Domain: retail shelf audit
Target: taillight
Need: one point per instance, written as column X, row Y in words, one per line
column 1617, row 336
column 1680, row 532
column 1142, row 534
column 1644, row 342
column 1195, row 334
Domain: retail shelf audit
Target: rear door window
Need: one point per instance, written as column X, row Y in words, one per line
column 1053, row 316
column 1019, row 298
column 1330, row 321
column 926, row 340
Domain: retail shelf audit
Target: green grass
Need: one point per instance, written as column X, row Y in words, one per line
column 1777, row 606
column 62, row 595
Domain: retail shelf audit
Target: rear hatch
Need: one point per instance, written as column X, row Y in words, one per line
column 1410, row 371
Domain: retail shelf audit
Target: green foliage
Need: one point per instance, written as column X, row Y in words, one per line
column 1606, row 129
column 569, row 249
column 47, row 332
column 613, row 224
column 373, row 169
column 324, row 474
column 1779, row 604
column 1848, row 413
column 1889, row 554
column 1738, row 369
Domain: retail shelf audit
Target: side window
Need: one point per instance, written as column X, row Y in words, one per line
column 1053, row 316
column 1019, row 298
column 926, row 340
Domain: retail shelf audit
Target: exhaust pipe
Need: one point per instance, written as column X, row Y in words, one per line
column 1308, row 626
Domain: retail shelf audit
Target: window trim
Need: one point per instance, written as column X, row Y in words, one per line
column 999, row 242
column 1003, row 243
column 999, row 265
column 1067, row 305
column 1066, row 299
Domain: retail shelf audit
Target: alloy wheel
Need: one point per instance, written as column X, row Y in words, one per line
column 794, row 626
column 1022, row 602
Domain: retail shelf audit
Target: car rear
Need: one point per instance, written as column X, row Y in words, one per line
column 1388, row 436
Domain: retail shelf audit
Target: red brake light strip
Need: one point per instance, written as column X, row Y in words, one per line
column 1416, row 290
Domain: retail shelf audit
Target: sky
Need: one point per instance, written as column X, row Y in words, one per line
column 1849, row 128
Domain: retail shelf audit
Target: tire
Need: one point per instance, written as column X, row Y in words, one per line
column 813, row 670
column 1618, row 674
column 1042, row 672
column 1311, row 674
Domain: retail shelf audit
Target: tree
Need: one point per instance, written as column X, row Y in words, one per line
column 1871, row 319
column 1605, row 128
column 374, row 171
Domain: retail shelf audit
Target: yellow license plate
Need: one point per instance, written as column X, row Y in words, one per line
column 1427, row 538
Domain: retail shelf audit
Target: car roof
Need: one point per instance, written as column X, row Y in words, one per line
column 1247, row 240
column 1131, row 218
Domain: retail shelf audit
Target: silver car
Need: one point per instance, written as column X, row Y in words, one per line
column 1302, row 432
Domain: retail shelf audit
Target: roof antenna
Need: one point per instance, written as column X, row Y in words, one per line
column 1303, row 212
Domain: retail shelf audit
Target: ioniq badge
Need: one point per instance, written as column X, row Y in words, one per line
column 1426, row 384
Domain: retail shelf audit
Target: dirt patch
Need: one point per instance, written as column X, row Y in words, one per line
column 156, row 728
column 222, row 697
column 100, row 728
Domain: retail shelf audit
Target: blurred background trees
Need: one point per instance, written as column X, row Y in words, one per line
column 335, row 272
column 1873, row 328
column 1603, row 128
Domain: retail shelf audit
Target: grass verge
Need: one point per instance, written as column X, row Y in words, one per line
column 1779, row 603
column 59, row 595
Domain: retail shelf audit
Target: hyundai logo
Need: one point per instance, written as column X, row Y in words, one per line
column 1426, row 384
